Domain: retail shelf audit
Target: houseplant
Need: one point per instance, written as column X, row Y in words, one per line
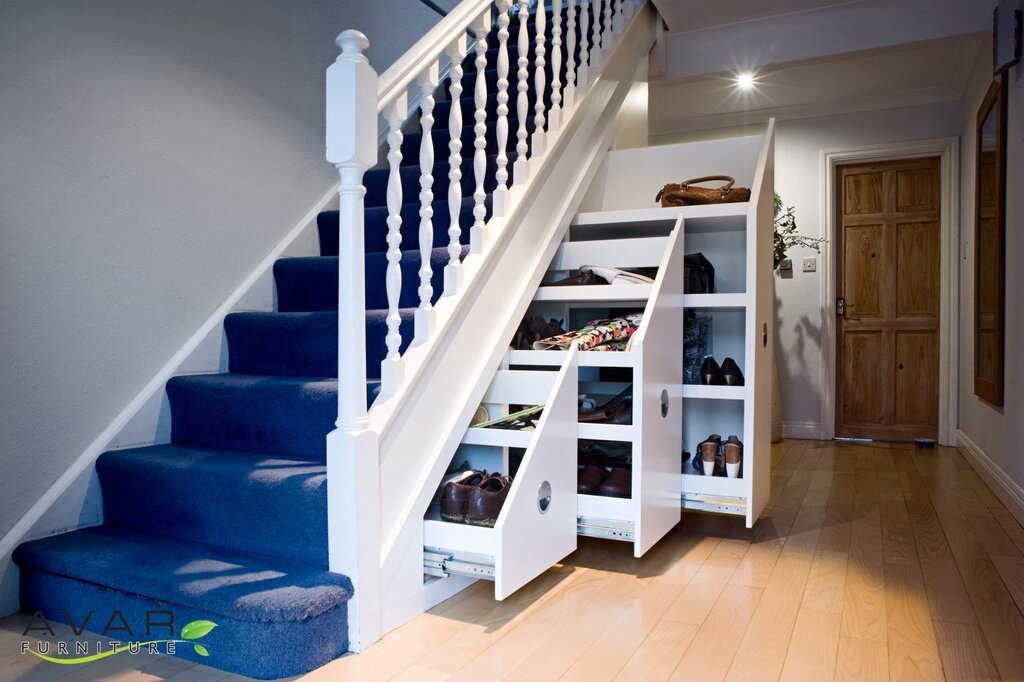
column 786, row 234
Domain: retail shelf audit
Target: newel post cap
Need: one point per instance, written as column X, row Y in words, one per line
column 352, row 43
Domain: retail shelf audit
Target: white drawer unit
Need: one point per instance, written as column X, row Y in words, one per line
column 654, row 369
column 536, row 527
column 737, row 239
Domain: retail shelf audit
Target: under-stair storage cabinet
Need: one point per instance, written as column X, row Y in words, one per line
column 536, row 526
column 734, row 320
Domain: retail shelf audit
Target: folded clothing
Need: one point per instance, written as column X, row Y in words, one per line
column 597, row 335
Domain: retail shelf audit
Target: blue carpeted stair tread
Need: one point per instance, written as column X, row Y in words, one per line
column 274, row 617
column 278, row 504
column 234, row 584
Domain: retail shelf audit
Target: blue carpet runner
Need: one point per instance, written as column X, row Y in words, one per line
column 227, row 522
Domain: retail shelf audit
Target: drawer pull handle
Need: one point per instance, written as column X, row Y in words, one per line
column 544, row 497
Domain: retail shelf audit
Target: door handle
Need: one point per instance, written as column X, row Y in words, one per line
column 840, row 307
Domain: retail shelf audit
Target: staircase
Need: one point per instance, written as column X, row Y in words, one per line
column 228, row 522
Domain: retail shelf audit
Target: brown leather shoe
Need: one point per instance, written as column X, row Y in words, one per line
column 590, row 478
column 455, row 495
column 618, row 484
column 708, row 453
column 485, row 500
column 733, row 457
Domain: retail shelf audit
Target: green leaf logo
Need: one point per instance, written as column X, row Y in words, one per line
column 197, row 629
column 201, row 650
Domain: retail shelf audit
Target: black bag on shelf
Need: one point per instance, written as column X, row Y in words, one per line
column 698, row 274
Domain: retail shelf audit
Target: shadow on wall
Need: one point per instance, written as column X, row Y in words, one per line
column 794, row 372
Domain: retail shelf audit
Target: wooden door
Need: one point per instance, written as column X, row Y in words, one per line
column 887, row 383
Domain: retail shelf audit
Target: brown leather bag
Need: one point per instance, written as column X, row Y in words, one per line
column 685, row 195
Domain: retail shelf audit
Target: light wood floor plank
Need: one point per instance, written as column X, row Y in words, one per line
column 813, row 647
column 965, row 654
column 862, row 660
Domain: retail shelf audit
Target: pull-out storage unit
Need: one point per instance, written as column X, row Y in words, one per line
column 536, row 527
column 735, row 320
column 651, row 364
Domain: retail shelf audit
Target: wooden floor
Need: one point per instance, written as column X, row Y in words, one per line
column 872, row 563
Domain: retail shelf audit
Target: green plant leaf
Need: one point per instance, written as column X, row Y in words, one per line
column 197, row 629
column 201, row 650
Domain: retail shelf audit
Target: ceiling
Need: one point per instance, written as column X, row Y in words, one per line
column 690, row 15
column 810, row 58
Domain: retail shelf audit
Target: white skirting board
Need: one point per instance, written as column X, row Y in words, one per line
column 802, row 430
column 74, row 501
column 1005, row 488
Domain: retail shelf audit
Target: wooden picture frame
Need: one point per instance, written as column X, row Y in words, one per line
column 989, row 244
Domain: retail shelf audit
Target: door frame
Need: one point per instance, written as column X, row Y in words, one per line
column 948, row 151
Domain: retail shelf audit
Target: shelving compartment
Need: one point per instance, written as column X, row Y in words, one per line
column 536, row 526
column 703, row 417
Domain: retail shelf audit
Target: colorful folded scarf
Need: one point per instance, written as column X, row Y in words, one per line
column 614, row 334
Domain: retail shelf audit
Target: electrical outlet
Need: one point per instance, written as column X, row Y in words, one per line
column 786, row 264
column 810, row 264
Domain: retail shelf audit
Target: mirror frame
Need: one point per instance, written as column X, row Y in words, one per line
column 991, row 390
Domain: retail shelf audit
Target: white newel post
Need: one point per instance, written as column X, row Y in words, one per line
column 352, row 449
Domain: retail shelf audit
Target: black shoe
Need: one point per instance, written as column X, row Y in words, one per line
column 711, row 373
column 731, row 374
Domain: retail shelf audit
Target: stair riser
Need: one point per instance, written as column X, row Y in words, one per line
column 254, row 649
column 276, row 507
column 276, row 344
column 270, row 418
column 376, row 180
column 311, row 284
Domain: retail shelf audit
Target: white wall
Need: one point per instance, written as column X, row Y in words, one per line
column 153, row 153
column 799, row 148
column 996, row 433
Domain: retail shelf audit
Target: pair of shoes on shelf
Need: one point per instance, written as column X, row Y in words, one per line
column 618, row 410
column 728, row 374
column 476, row 499
column 714, row 454
column 599, row 274
column 533, row 328
column 595, row 479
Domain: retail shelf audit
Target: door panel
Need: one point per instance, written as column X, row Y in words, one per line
column 862, row 404
column 917, row 379
column 917, row 269
column 862, row 193
column 887, row 343
column 863, row 258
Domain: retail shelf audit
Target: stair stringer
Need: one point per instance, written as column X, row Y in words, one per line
column 419, row 433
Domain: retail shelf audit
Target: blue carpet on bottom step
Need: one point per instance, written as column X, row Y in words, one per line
column 274, row 617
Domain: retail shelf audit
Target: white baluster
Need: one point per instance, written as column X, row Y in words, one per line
column 522, row 102
column 478, row 235
column 569, row 94
column 453, row 270
column 607, row 41
column 596, row 52
column 352, row 109
column 583, row 74
column 424, row 319
column 391, row 368
column 619, row 25
column 555, row 115
column 499, row 199
column 539, row 81
column 630, row 9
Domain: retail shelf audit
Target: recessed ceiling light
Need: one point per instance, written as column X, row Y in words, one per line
column 745, row 80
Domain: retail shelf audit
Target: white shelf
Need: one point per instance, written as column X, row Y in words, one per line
column 719, row 486
column 659, row 214
column 554, row 358
column 503, row 438
column 597, row 293
column 715, row 300
column 715, row 392
column 617, row 432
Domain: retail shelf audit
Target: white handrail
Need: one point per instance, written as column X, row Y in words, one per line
column 396, row 79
